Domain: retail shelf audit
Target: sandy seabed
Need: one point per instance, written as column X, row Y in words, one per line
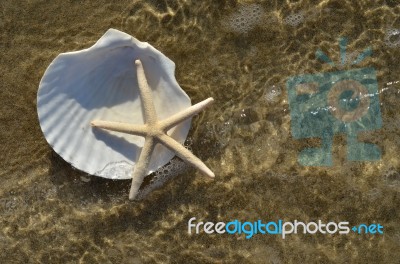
column 51, row 213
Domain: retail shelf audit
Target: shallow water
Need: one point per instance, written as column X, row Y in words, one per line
column 51, row 213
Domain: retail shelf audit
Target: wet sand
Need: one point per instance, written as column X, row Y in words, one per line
column 51, row 213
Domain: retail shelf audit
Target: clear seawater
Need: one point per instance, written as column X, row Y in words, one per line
column 51, row 213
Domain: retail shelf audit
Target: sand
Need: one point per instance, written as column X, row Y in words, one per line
column 51, row 213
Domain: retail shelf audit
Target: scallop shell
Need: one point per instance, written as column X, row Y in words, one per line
column 100, row 83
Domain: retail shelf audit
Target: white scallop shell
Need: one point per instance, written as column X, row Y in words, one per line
column 100, row 83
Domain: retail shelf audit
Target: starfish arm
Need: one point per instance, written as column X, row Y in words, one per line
column 141, row 166
column 138, row 130
column 184, row 154
column 146, row 96
column 177, row 118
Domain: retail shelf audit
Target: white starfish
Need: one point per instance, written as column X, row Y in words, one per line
column 155, row 131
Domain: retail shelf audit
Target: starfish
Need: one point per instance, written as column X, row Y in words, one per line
column 155, row 131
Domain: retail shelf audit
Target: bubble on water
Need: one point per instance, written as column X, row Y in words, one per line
column 188, row 143
column 86, row 178
column 175, row 167
column 224, row 132
column 245, row 19
column 294, row 19
column 392, row 37
column 272, row 93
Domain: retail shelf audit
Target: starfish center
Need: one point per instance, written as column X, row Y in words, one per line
column 154, row 131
